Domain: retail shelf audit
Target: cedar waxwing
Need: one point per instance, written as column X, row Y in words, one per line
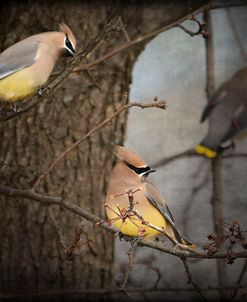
column 27, row 65
column 227, row 112
column 131, row 172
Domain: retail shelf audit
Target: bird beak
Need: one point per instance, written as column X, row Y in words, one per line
column 72, row 53
column 147, row 172
column 68, row 52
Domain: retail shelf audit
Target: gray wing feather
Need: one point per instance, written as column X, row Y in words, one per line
column 159, row 203
column 17, row 57
column 153, row 196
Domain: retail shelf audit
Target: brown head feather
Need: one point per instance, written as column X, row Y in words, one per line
column 65, row 29
column 128, row 156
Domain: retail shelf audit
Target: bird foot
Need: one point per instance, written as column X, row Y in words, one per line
column 135, row 241
column 176, row 247
column 41, row 91
column 15, row 107
column 226, row 147
column 6, row 107
column 120, row 235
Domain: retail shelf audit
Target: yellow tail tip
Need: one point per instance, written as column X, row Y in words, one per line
column 206, row 151
column 192, row 247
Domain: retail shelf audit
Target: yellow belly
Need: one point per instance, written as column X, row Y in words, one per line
column 16, row 87
column 133, row 226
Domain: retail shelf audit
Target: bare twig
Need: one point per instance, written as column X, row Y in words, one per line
column 130, row 44
column 159, row 276
column 76, row 243
column 123, row 28
column 91, row 77
column 134, row 216
column 230, row 234
column 149, row 36
column 192, row 153
column 72, row 67
column 155, row 104
column 168, row 160
column 191, row 281
column 57, row 228
column 131, row 254
column 189, row 32
column 238, row 284
column 200, row 31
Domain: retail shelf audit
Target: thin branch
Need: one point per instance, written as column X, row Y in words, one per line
column 72, row 67
column 191, row 281
column 167, row 160
column 91, row 77
column 131, row 254
column 189, row 32
column 70, row 206
column 200, row 30
column 95, row 42
column 132, row 43
column 57, row 228
column 238, row 285
column 123, row 28
column 149, row 36
column 237, row 155
column 159, row 276
column 154, row 104
column 192, row 153
column 133, row 216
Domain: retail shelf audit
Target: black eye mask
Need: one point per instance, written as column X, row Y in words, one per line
column 69, row 45
column 138, row 170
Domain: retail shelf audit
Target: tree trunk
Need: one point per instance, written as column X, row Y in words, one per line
column 32, row 259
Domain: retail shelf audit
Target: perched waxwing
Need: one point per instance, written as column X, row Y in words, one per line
column 26, row 66
column 227, row 114
column 130, row 173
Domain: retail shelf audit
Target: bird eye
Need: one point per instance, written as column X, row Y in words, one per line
column 139, row 170
column 69, row 45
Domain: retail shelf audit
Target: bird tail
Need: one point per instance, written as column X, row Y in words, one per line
column 209, row 153
column 205, row 113
column 187, row 243
column 182, row 241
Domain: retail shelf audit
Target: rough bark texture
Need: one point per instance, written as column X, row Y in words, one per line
column 31, row 257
